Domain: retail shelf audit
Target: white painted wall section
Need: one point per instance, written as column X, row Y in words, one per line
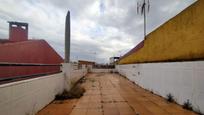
column 184, row 80
column 72, row 75
column 29, row 96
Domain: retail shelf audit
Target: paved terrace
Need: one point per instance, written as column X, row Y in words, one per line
column 111, row 94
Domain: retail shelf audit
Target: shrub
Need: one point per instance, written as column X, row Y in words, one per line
column 76, row 92
column 187, row 105
column 170, row 98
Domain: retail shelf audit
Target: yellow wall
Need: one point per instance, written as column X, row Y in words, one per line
column 181, row 38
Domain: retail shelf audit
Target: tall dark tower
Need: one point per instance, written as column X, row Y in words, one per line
column 67, row 38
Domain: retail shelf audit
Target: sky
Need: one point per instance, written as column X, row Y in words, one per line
column 100, row 29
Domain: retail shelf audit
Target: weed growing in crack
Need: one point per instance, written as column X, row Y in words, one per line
column 170, row 98
column 187, row 105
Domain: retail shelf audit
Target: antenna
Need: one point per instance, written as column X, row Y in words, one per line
column 141, row 8
column 102, row 6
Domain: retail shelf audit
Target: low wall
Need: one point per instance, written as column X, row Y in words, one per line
column 102, row 70
column 72, row 75
column 29, row 96
column 184, row 80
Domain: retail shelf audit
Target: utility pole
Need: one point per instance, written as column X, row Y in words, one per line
column 142, row 7
column 67, row 38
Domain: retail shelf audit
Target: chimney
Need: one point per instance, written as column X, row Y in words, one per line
column 67, row 38
column 18, row 31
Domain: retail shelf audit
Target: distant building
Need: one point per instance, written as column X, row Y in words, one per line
column 88, row 64
column 19, row 49
column 113, row 60
column 84, row 62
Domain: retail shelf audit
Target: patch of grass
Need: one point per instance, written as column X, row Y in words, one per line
column 170, row 98
column 187, row 105
column 83, row 80
column 76, row 92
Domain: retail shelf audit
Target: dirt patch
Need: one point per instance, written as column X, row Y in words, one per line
column 76, row 92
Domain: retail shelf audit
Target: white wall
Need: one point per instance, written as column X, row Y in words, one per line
column 184, row 80
column 102, row 70
column 72, row 75
column 29, row 96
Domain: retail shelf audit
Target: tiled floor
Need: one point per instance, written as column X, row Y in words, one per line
column 110, row 94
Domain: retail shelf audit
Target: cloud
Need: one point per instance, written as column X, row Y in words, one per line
column 99, row 28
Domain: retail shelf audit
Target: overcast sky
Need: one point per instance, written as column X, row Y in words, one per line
column 99, row 28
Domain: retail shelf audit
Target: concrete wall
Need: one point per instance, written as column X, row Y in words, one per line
column 27, row 97
column 72, row 75
column 184, row 80
column 181, row 38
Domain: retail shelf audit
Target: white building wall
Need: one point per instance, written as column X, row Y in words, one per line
column 184, row 80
